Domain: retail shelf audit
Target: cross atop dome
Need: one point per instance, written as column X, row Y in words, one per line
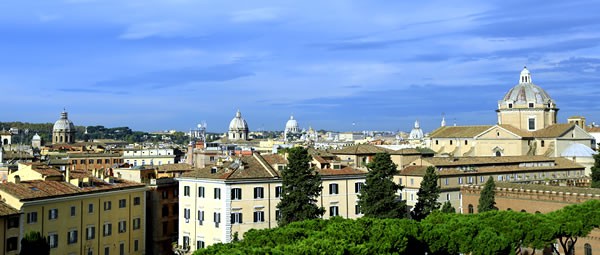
column 525, row 76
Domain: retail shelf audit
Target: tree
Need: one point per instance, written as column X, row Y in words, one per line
column 378, row 197
column 427, row 196
column 596, row 172
column 301, row 186
column 34, row 244
column 487, row 202
column 448, row 208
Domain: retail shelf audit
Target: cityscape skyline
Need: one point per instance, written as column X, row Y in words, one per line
column 343, row 66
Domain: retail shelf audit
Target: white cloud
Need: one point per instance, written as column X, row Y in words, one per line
column 255, row 15
column 161, row 29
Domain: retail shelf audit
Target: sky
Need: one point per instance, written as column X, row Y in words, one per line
column 335, row 65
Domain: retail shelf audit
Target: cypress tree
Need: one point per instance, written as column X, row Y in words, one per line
column 487, row 201
column 301, row 186
column 596, row 172
column 33, row 243
column 427, row 196
column 448, row 208
column 378, row 197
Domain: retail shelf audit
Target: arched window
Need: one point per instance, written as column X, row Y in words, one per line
column 523, row 210
column 471, row 209
column 498, row 153
column 587, row 249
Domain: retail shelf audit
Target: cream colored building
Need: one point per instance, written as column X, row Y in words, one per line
column 527, row 125
column 78, row 213
column 9, row 229
column 234, row 197
column 453, row 172
column 153, row 156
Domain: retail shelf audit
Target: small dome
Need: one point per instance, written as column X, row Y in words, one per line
column 238, row 123
column 416, row 132
column 578, row 150
column 63, row 124
column 526, row 92
column 36, row 137
column 291, row 124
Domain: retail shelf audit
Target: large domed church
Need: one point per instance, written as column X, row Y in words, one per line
column 63, row 130
column 238, row 128
column 527, row 125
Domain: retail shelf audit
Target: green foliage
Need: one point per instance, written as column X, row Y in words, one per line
column 448, row 208
column 487, row 200
column 378, row 197
column 428, row 195
column 301, row 186
column 490, row 233
column 33, row 243
column 596, row 172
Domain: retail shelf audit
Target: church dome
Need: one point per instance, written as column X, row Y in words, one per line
column 578, row 150
column 63, row 124
column 292, row 124
column 238, row 123
column 526, row 92
column 36, row 137
column 416, row 132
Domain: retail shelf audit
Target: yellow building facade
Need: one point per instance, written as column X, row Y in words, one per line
column 86, row 215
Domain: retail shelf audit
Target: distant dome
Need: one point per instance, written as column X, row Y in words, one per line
column 526, row 92
column 238, row 123
column 292, row 125
column 36, row 137
column 416, row 132
column 578, row 150
column 63, row 124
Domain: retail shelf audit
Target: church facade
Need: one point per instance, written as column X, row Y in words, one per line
column 527, row 125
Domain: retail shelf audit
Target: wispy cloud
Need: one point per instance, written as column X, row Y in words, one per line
column 256, row 15
column 150, row 29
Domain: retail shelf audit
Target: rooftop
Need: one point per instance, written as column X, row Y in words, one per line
column 6, row 210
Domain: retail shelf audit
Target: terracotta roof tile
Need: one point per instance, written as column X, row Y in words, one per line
column 458, row 131
column 32, row 190
column 273, row 159
column 344, row 171
column 555, row 130
column 252, row 169
column 360, row 149
column 487, row 160
column 6, row 210
column 174, row 167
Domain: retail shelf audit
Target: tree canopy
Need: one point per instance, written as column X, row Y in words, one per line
column 596, row 172
column 427, row 196
column 490, row 233
column 301, row 186
column 33, row 243
column 487, row 200
column 378, row 198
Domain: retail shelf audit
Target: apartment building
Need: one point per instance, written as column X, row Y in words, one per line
column 219, row 201
column 77, row 211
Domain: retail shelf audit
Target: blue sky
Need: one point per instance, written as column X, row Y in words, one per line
column 156, row 65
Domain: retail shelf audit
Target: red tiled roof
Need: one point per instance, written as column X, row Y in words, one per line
column 32, row 190
column 6, row 210
column 344, row 171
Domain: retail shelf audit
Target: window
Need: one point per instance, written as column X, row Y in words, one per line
column 90, row 208
column 175, row 209
column 52, row 214
column 107, row 250
column 122, row 226
column 90, row 232
column 175, row 193
column 277, row 215
column 186, row 242
column 471, row 209
column 199, row 244
column 466, row 142
column 137, row 201
column 481, row 179
column 333, row 211
column 201, row 192
column 530, row 105
column 412, row 181
column 470, row 179
column 446, row 181
column 107, row 205
column 136, row 245
column 333, row 188
column 186, row 191
column 447, row 196
column 73, row 210
column 217, row 193
column 357, row 210
column 460, row 180
column 217, row 219
column 136, row 223
column 165, row 211
column 542, row 143
column 200, row 217
column 11, row 243
column 499, row 177
column 91, row 161
column 531, row 123
column 236, row 218
column 358, row 187
column 32, row 217
column 72, row 237
column 587, row 249
column 510, row 106
column 259, row 216
column 165, row 194
column 186, row 215
column 165, row 227
column 236, row 194
column 122, row 249
column 278, row 191
column 107, row 229
column 13, row 222
column 53, row 240
column 122, row 203
column 259, row 192
column 436, row 142
column 90, row 251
